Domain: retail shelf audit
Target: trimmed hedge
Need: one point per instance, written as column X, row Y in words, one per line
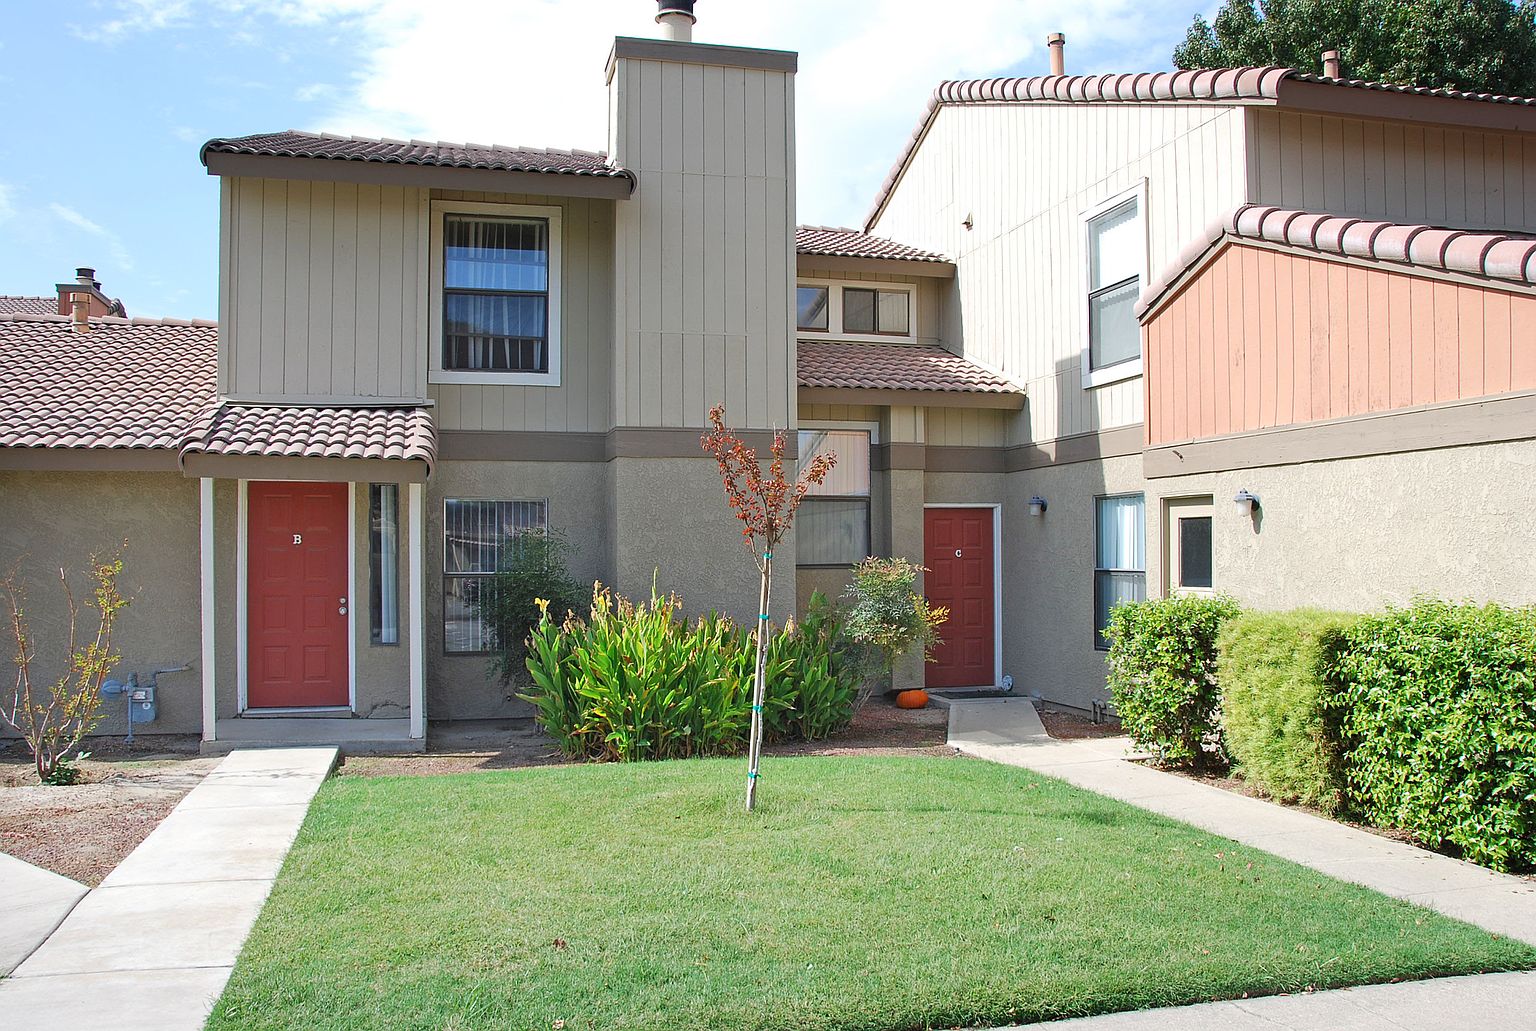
column 1436, row 705
column 1162, row 675
column 1273, row 699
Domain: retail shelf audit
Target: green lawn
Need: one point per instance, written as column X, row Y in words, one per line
column 871, row 893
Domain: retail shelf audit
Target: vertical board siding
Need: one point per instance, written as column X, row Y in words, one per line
column 704, row 251
column 323, row 295
column 1399, row 173
column 318, row 290
column 1306, row 339
column 1025, row 173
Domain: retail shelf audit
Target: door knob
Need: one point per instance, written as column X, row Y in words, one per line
column 343, row 609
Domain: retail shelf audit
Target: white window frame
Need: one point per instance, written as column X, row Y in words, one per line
column 441, row 209
column 834, row 330
column 1128, row 369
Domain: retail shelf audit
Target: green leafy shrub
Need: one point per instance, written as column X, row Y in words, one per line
column 1436, row 707
column 635, row 681
column 533, row 565
column 1162, row 675
column 1268, row 669
column 886, row 616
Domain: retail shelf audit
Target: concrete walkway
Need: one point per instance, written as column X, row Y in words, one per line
column 1009, row 731
column 33, row 901
column 152, row 947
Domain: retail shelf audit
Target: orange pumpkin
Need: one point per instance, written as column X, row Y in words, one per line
column 912, row 699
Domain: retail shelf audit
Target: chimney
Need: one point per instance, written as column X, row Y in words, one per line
column 86, row 291
column 676, row 19
column 1331, row 64
column 1058, row 47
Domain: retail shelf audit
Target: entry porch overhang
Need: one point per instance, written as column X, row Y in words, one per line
column 329, row 443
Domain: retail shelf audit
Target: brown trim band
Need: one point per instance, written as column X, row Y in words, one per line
column 1487, row 420
column 807, row 264
column 1121, row 442
column 89, row 459
column 327, row 470
column 634, row 48
column 622, row 442
column 441, row 177
column 1329, row 99
column 921, row 398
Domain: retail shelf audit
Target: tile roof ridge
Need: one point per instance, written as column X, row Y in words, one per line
column 22, row 316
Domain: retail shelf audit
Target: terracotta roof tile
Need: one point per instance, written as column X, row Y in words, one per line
column 28, row 305
column 315, row 431
column 827, row 363
column 294, row 144
column 128, row 383
column 1510, row 257
column 1195, row 86
column 855, row 243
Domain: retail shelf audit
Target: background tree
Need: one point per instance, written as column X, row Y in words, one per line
column 1487, row 46
column 766, row 507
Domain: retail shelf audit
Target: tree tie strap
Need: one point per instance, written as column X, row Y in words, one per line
column 751, row 774
column 757, row 708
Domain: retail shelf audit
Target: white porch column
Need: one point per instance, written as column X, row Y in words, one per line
column 210, row 655
column 416, row 620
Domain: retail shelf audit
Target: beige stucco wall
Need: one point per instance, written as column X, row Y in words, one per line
column 1360, row 533
column 60, row 519
column 460, row 686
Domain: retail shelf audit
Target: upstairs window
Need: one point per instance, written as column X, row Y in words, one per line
column 1117, row 258
column 811, row 308
column 832, row 525
column 496, row 294
column 883, row 312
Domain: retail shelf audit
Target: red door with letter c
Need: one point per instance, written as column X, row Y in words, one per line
column 958, row 551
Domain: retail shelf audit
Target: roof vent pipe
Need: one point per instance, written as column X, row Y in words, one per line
column 676, row 19
column 1331, row 64
column 86, row 277
column 80, row 310
column 1057, row 43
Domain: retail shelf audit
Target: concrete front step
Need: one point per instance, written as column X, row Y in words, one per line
column 351, row 736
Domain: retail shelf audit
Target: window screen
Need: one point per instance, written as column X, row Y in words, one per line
column 1120, row 562
column 474, row 533
column 1116, row 248
column 877, row 311
column 1195, row 551
column 496, row 294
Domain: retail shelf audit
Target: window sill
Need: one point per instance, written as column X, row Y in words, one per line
column 1113, row 374
column 504, row 379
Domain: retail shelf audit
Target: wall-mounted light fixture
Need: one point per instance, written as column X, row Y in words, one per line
column 1246, row 503
column 1037, row 506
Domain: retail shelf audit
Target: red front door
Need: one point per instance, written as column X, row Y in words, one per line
column 298, row 595
column 957, row 549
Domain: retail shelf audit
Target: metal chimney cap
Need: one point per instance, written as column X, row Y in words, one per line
column 85, row 275
column 675, row 7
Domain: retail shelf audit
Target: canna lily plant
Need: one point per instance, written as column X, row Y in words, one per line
column 766, row 507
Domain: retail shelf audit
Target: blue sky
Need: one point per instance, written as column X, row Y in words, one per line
column 106, row 102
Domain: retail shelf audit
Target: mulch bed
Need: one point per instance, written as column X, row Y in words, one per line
column 85, row 830
column 1070, row 725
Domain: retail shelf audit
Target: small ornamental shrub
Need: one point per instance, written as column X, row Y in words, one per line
column 636, row 681
column 54, row 718
column 1272, row 704
column 1436, row 708
column 886, row 615
column 533, row 565
column 1162, row 675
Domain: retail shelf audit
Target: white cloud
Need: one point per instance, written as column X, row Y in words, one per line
column 113, row 242
column 530, row 72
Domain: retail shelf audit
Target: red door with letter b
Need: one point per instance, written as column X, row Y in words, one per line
column 958, row 551
column 298, row 595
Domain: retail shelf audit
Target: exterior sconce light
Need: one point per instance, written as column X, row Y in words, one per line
column 1037, row 506
column 1246, row 503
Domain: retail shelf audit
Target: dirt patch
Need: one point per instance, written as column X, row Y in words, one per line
column 1070, row 725
column 879, row 728
column 84, row 831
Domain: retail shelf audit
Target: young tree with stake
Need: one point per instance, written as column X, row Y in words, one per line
column 766, row 507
